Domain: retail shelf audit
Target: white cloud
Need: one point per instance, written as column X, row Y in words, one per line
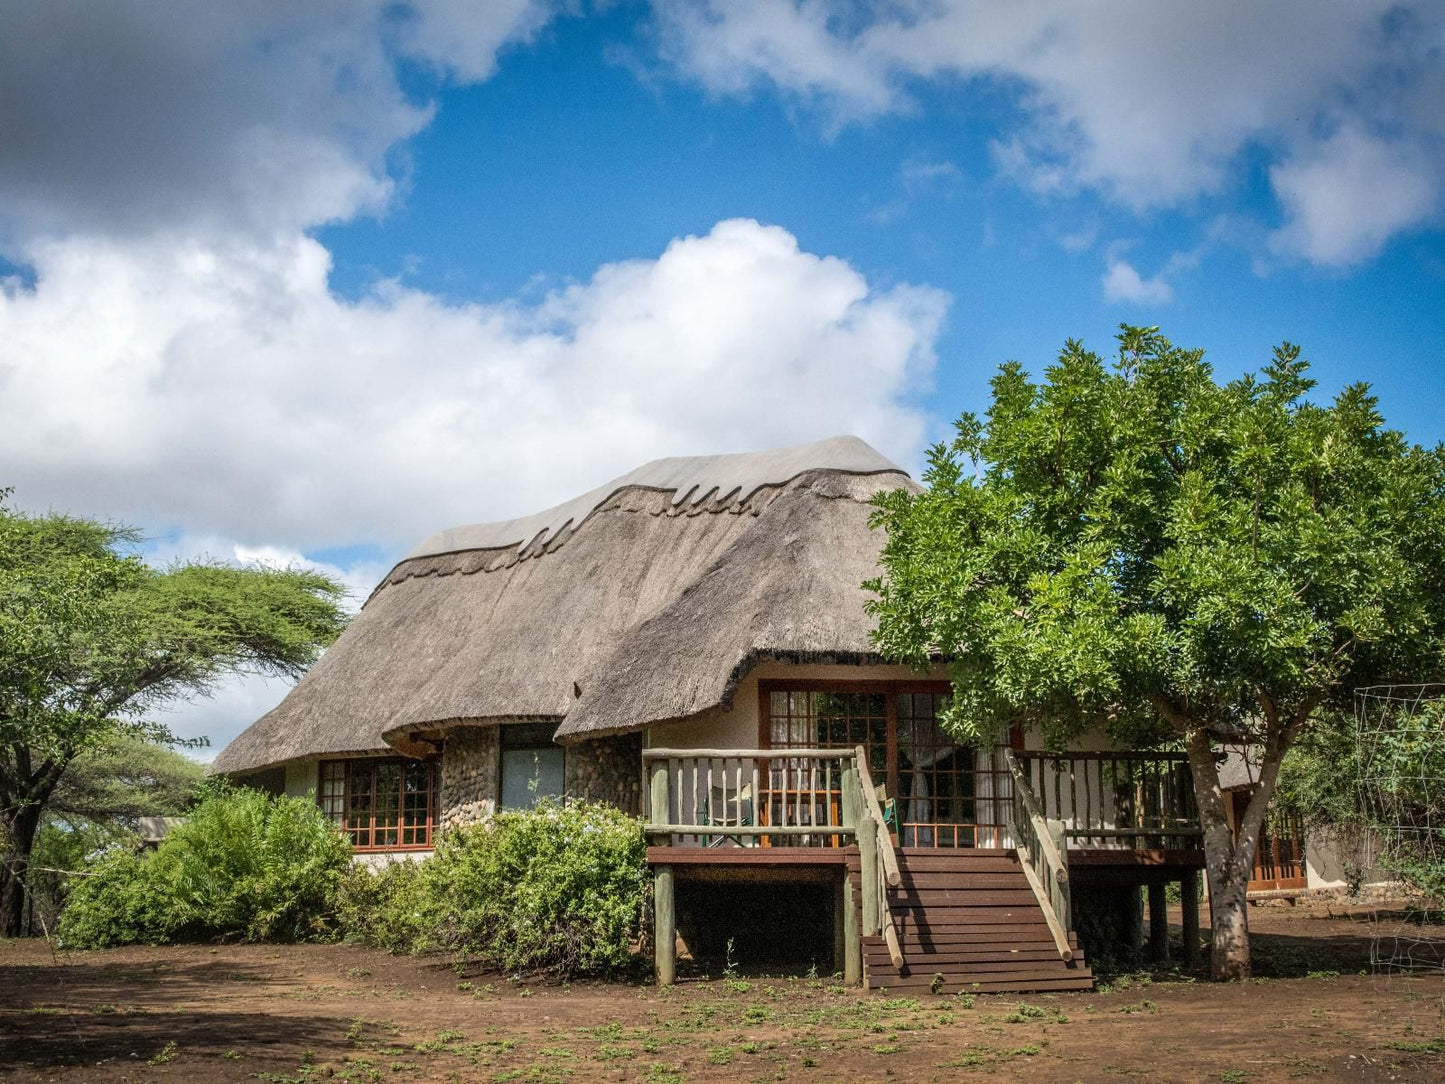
column 1349, row 195
column 1122, row 282
column 225, row 389
column 1149, row 104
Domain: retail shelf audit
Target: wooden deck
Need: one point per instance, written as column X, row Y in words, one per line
column 944, row 919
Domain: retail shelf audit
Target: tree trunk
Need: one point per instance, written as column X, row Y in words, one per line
column 20, row 835
column 1229, row 854
column 1228, row 878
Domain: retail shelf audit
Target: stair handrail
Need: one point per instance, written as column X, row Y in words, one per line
column 888, row 872
column 1043, row 856
column 870, row 798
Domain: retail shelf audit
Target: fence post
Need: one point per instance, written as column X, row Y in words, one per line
column 852, row 936
column 868, row 871
column 1063, row 904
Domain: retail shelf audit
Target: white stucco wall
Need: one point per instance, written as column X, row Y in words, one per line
column 1327, row 854
column 736, row 727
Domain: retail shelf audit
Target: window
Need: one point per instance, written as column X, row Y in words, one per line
column 945, row 794
column 381, row 803
column 533, row 765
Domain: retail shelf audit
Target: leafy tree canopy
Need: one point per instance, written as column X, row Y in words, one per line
column 93, row 640
column 1137, row 546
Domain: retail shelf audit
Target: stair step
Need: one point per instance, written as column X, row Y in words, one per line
column 969, row 920
column 964, row 896
column 1049, row 954
column 912, row 881
column 999, row 982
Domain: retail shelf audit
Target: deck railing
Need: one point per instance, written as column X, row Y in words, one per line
column 748, row 797
column 1114, row 800
column 1044, row 856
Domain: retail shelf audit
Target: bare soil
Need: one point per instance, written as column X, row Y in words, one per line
column 198, row 1014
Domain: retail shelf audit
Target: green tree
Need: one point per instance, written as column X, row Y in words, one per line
column 92, row 640
column 116, row 783
column 97, row 807
column 1138, row 547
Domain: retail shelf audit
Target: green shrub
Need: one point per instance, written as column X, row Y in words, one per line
column 243, row 865
column 383, row 907
column 557, row 889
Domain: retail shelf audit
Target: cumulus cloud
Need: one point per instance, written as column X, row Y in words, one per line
column 1149, row 104
column 1347, row 196
column 228, row 390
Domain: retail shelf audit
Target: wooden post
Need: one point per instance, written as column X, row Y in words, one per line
column 664, row 931
column 852, row 937
column 868, row 871
column 1158, row 923
column 659, row 808
column 1189, row 893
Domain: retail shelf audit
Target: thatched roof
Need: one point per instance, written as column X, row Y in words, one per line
column 648, row 604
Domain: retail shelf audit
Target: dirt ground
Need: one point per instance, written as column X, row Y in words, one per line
column 1318, row 1011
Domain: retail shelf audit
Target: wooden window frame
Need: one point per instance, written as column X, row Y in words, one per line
column 428, row 828
column 891, row 691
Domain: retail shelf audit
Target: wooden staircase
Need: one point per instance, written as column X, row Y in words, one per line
column 967, row 922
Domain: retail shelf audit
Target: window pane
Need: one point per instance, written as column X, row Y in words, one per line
column 531, row 774
column 361, row 781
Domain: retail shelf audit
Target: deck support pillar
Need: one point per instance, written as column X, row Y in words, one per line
column 664, row 931
column 1158, row 923
column 1189, row 895
column 852, row 937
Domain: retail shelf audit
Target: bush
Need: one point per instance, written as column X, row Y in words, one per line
column 557, row 889
column 243, row 865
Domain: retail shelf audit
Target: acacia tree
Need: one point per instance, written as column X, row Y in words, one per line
column 92, row 640
column 1138, row 547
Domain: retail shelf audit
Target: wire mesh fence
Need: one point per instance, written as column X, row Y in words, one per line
column 1400, row 757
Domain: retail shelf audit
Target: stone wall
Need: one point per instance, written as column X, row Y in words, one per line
column 470, row 776
column 607, row 770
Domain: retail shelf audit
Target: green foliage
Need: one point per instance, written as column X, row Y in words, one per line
column 124, row 779
column 1319, row 778
column 556, row 888
column 96, row 808
column 1120, row 543
column 243, row 865
column 92, row 640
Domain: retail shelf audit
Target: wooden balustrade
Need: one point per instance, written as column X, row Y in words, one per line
column 1044, row 857
column 774, row 798
column 1114, row 800
column 748, row 797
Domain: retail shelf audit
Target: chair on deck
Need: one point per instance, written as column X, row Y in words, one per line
column 729, row 807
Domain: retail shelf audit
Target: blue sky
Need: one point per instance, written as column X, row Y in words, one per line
column 566, row 160
column 307, row 283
